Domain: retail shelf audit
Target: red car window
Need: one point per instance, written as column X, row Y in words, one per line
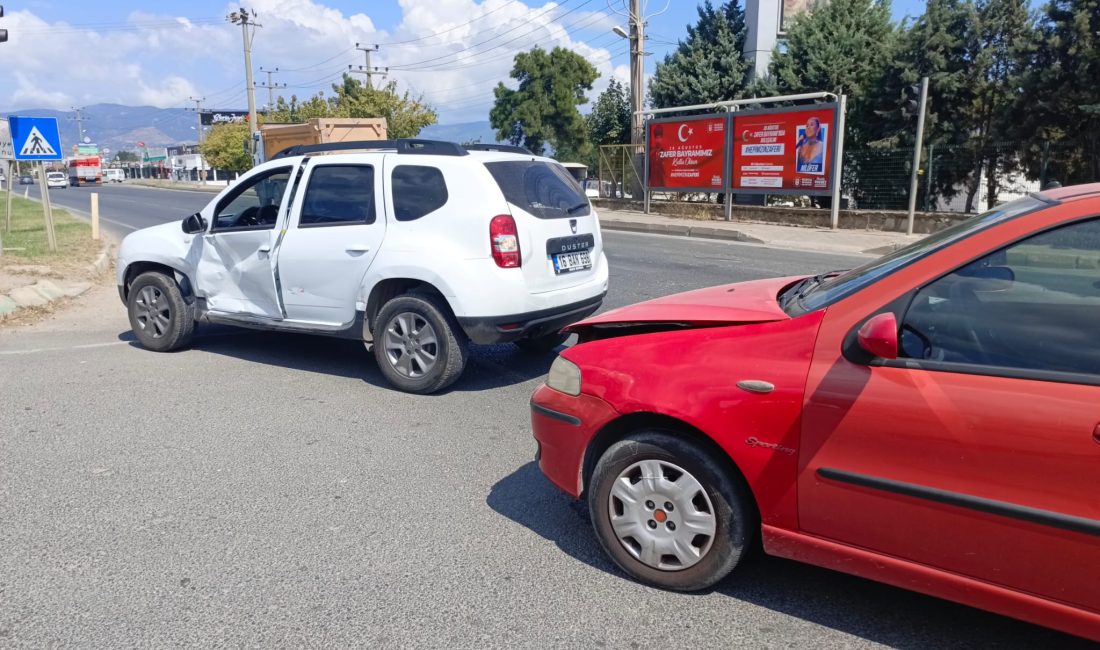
column 1032, row 305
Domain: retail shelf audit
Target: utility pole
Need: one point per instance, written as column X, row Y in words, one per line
column 637, row 73
column 198, row 114
column 916, row 155
column 79, row 123
column 247, row 19
column 270, row 86
column 368, row 69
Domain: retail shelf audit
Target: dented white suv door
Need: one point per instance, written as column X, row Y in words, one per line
column 235, row 272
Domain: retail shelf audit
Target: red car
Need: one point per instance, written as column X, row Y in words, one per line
column 929, row 420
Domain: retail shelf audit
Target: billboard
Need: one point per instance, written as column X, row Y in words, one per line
column 687, row 153
column 211, row 117
column 784, row 151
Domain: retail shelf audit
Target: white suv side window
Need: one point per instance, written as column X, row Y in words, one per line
column 254, row 205
column 339, row 195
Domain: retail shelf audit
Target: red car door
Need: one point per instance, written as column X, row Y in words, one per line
column 978, row 450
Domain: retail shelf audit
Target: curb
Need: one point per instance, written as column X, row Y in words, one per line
column 102, row 261
column 44, row 292
column 681, row 230
column 208, row 189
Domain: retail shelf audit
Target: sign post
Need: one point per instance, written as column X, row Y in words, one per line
column 6, row 155
column 38, row 139
column 838, row 163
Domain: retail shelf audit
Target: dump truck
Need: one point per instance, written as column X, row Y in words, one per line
column 319, row 130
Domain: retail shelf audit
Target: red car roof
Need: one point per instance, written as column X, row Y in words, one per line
column 1072, row 192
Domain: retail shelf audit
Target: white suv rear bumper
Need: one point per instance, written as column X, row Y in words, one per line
column 531, row 314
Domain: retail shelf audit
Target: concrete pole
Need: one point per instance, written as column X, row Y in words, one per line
column 249, row 85
column 637, row 73
column 917, row 146
column 198, row 116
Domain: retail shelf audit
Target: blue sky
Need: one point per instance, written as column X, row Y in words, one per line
column 72, row 52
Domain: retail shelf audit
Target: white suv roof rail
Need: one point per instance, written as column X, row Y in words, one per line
column 402, row 146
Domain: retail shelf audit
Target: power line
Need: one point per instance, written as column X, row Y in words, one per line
column 524, row 23
column 446, row 31
column 448, row 65
column 320, row 63
column 122, row 27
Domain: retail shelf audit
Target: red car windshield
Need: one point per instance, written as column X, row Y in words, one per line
column 821, row 291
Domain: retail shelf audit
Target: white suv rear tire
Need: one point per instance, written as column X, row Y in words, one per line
column 417, row 343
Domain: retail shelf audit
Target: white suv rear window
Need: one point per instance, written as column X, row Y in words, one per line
column 544, row 189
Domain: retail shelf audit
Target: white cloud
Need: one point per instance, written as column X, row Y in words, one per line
column 162, row 60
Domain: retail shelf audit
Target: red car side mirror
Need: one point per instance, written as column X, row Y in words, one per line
column 879, row 336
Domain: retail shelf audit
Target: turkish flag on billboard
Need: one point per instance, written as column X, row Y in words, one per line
column 789, row 149
column 687, row 153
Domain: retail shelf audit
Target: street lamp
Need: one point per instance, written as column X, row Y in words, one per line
column 620, row 31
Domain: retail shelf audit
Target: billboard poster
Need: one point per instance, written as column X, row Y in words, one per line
column 210, row 118
column 687, row 153
column 784, row 151
column 789, row 9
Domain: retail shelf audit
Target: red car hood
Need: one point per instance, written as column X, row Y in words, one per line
column 730, row 304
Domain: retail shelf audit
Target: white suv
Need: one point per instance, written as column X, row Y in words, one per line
column 413, row 246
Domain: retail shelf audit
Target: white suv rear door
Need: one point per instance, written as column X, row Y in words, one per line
column 558, row 230
column 335, row 231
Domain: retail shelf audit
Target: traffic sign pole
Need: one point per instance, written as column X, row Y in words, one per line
column 47, row 210
column 13, row 169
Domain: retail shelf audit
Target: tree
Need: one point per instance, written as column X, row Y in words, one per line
column 297, row 112
column 405, row 115
column 1059, row 106
column 1003, row 38
column 126, row 156
column 609, row 121
column 940, row 45
column 707, row 66
column 841, row 46
column 226, row 147
column 543, row 110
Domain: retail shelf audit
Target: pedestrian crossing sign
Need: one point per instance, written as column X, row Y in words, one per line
column 35, row 138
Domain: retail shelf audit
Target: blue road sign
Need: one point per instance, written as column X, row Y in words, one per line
column 35, row 138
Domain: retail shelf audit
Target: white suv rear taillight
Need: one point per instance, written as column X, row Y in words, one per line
column 504, row 241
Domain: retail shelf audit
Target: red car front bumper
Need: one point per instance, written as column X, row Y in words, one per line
column 563, row 426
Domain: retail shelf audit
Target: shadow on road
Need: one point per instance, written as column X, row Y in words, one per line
column 488, row 367
column 867, row 609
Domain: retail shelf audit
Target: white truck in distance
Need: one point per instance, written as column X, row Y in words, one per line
column 415, row 247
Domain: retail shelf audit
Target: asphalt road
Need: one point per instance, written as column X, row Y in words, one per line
column 268, row 490
column 124, row 208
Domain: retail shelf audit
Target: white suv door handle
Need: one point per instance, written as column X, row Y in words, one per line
column 357, row 248
column 264, row 248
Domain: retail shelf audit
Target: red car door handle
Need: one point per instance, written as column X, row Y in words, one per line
column 1096, row 434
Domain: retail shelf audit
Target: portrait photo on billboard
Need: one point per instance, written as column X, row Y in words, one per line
column 687, row 153
column 811, row 147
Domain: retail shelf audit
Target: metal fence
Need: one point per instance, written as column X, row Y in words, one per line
column 950, row 179
column 955, row 178
column 620, row 170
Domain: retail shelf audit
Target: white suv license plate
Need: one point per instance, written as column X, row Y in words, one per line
column 570, row 262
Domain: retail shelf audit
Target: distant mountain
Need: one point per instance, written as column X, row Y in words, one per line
column 119, row 127
column 461, row 132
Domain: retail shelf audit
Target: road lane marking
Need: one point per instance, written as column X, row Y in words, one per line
column 88, row 346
